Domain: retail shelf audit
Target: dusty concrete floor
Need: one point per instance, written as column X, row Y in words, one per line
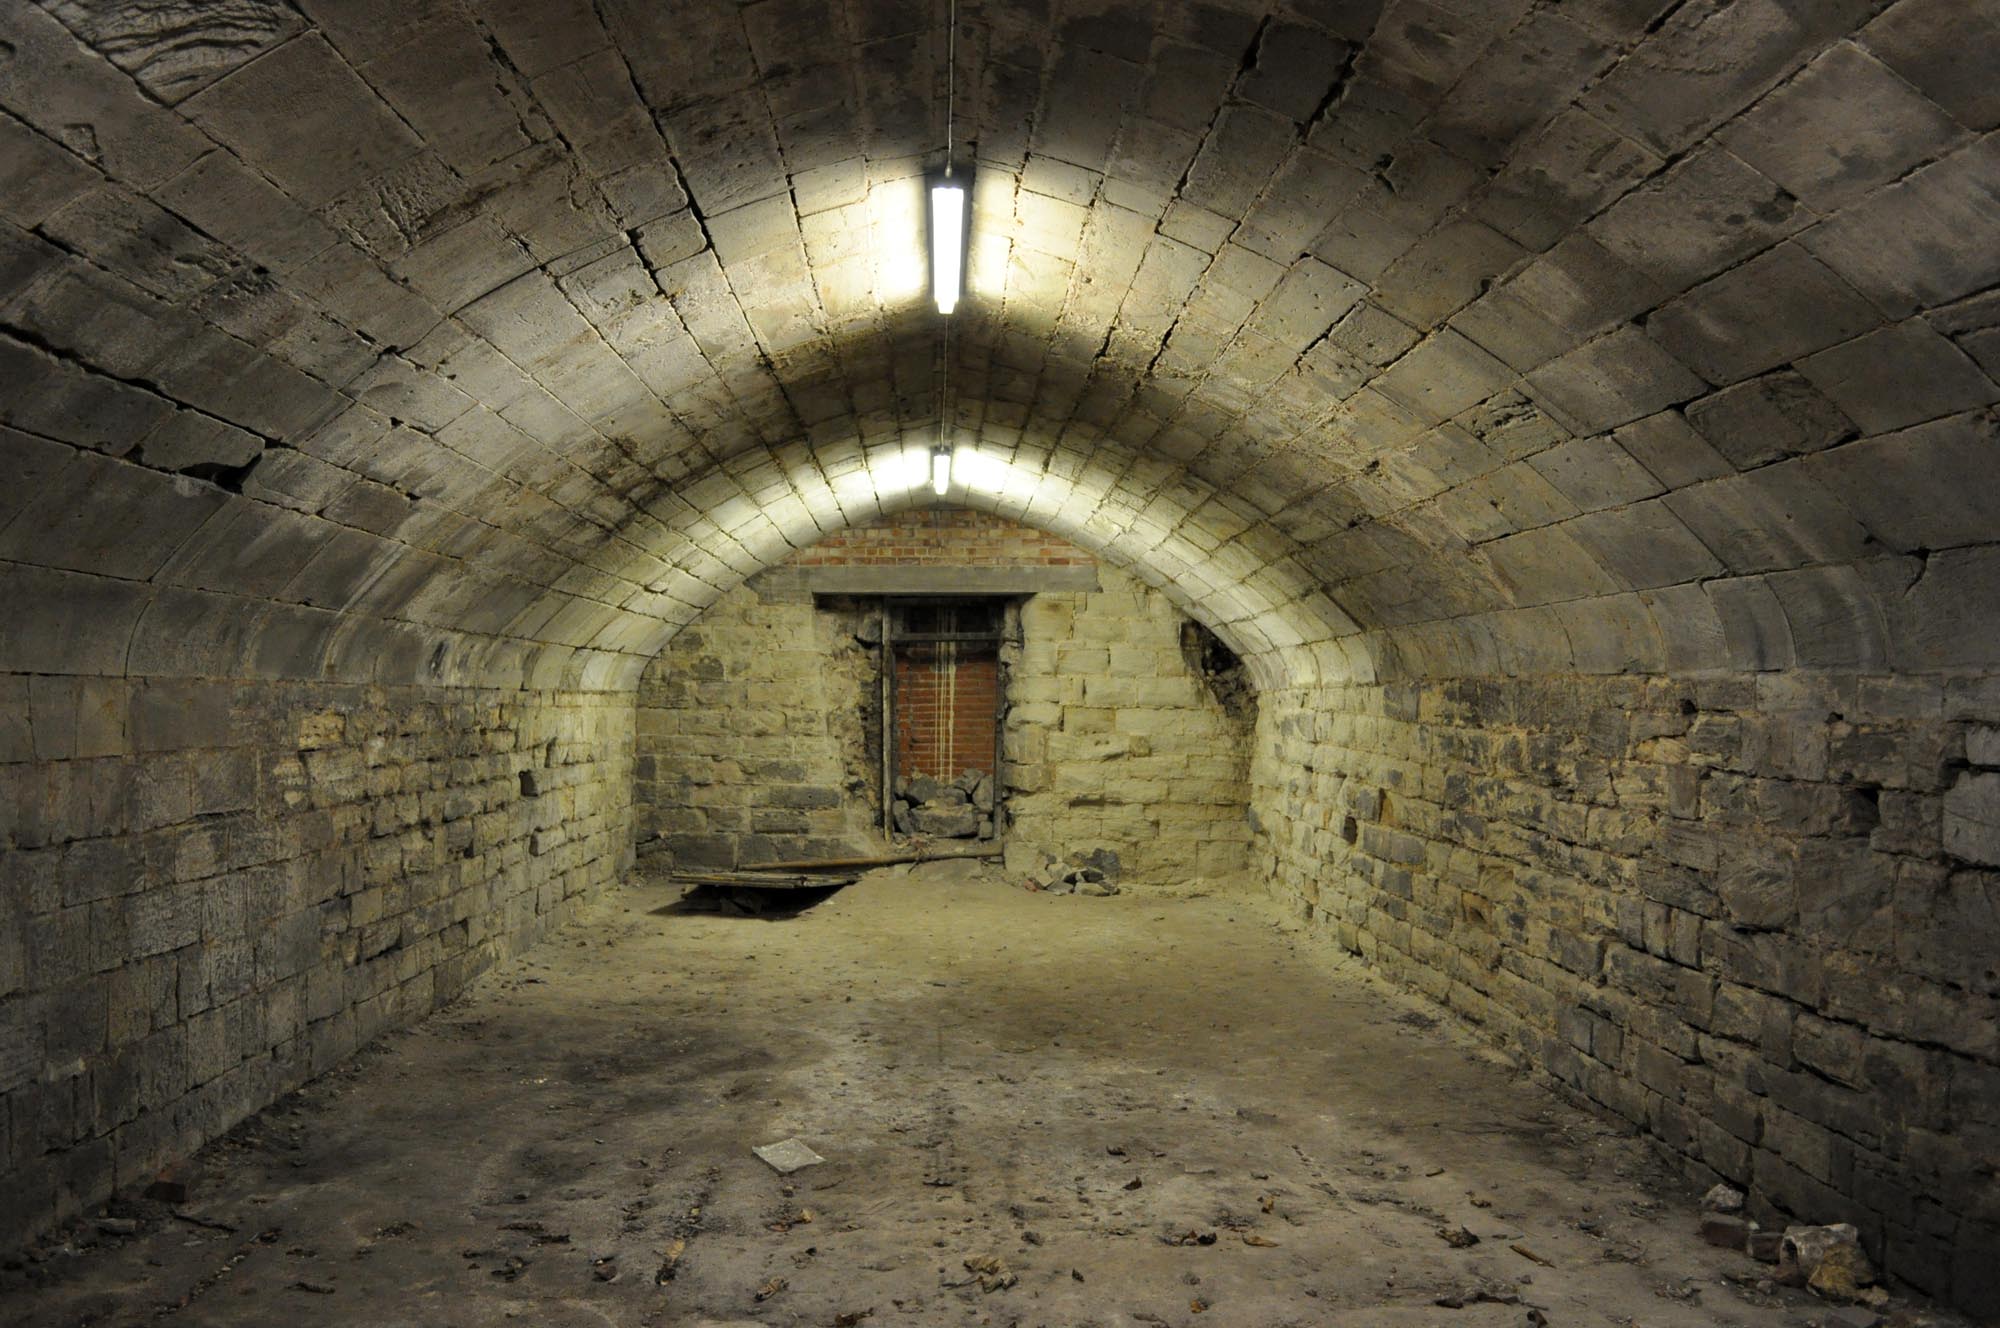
column 1072, row 1086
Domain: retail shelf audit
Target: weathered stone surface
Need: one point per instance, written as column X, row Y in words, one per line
column 259, row 891
column 1731, row 949
column 945, row 821
column 527, row 336
column 1113, row 739
column 1769, row 418
column 1972, row 819
column 173, row 47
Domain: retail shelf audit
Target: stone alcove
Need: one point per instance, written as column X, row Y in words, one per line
column 1122, row 725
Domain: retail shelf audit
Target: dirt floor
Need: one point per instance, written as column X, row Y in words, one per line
column 1034, row 1110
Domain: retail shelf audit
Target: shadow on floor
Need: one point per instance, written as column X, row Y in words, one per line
column 735, row 901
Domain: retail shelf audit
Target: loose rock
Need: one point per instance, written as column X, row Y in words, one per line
column 1722, row 1199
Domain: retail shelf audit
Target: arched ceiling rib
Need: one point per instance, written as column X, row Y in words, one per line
column 491, row 339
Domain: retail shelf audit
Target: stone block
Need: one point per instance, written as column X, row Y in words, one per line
column 1595, row 473
column 36, row 176
column 333, row 134
column 1868, row 243
column 1769, row 418
column 93, row 514
column 77, row 98
column 67, row 623
column 1706, row 214
column 1972, row 819
column 1843, row 126
column 1611, row 381
column 1946, row 52
column 1907, row 488
column 1774, row 517
column 1953, row 605
column 1709, row 61
column 1725, row 1230
column 1445, row 271
column 1644, row 545
column 1773, row 309
column 1899, row 376
column 1442, row 377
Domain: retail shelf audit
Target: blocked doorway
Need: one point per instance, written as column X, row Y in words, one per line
column 945, row 685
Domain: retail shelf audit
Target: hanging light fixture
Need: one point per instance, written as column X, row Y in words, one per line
column 947, row 241
column 947, row 217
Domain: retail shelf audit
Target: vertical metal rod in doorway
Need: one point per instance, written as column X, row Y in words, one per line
column 888, row 724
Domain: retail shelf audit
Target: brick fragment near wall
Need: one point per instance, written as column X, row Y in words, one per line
column 1732, row 909
column 213, row 891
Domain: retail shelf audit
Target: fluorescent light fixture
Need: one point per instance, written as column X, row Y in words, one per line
column 941, row 470
column 947, row 243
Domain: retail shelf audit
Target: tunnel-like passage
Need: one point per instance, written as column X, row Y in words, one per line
column 1575, row 415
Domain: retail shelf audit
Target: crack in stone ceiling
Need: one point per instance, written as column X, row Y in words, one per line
column 497, row 339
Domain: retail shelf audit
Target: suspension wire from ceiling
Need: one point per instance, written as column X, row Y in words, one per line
column 950, row 78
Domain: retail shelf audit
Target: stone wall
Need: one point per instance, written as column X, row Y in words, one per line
column 212, row 891
column 758, row 736
column 1114, row 739
column 757, row 733
column 1752, row 914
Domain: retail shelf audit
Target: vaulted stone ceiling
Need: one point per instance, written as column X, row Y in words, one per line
column 493, row 340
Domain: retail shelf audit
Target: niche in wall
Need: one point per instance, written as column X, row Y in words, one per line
column 946, row 684
column 1069, row 706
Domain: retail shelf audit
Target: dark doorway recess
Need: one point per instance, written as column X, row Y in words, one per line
column 946, row 683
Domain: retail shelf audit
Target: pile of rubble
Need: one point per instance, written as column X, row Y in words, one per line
column 960, row 809
column 1826, row 1260
column 1092, row 873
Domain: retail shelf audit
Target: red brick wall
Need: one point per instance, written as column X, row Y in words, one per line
column 949, row 536
column 947, row 707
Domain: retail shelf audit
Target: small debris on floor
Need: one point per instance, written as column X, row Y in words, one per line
column 1191, row 1237
column 1852, row 1316
column 670, row 1261
column 786, row 1223
column 1093, row 874
column 991, row 1272
column 787, row 1156
column 1478, row 1295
